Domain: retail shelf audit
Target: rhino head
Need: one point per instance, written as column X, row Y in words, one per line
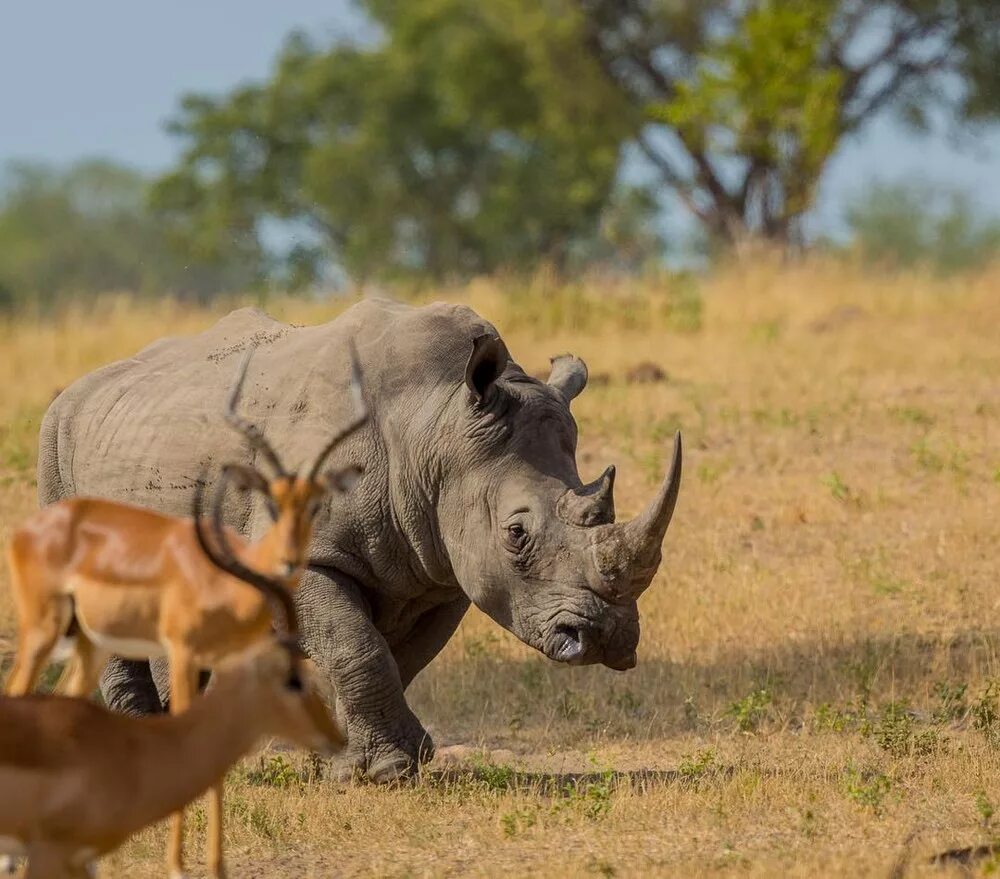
column 533, row 546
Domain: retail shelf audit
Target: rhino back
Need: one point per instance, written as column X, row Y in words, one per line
column 143, row 429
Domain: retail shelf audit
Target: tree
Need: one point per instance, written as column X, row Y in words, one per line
column 899, row 224
column 746, row 100
column 87, row 230
column 467, row 137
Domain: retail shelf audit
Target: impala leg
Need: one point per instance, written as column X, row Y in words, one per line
column 68, row 672
column 183, row 686
column 213, row 844
column 216, row 867
column 85, row 668
column 34, row 646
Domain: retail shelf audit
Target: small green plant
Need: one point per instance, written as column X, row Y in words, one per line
column 274, row 771
column 482, row 646
column 951, row 699
column 985, row 717
column 597, row 794
column 894, row 729
column 911, row 415
column 867, row 788
column 984, row 809
column 665, row 427
column 767, row 331
column 783, row 417
column 838, row 488
column 601, row 868
column 925, row 457
column 996, row 476
column 694, row 767
column 750, row 710
column 875, row 570
column 255, row 816
column 517, row 821
column 497, row 777
column 709, row 473
column 830, row 718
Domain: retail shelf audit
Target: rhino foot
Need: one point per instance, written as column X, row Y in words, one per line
column 386, row 763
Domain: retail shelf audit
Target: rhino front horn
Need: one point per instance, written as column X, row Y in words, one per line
column 628, row 556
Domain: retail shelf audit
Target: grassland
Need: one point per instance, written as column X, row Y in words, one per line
column 818, row 673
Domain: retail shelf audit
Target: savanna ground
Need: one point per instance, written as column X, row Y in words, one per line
column 818, row 672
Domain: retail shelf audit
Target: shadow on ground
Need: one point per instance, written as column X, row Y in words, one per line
column 491, row 698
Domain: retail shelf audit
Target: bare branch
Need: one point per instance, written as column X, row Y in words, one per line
column 685, row 189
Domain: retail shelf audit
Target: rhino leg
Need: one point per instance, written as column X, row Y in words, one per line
column 128, row 687
column 431, row 632
column 385, row 740
column 125, row 682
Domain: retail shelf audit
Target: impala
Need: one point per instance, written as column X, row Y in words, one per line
column 76, row 780
column 96, row 577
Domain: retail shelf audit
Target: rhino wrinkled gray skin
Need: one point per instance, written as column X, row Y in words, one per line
column 470, row 492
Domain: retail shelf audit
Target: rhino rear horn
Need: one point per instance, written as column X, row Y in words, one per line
column 591, row 504
column 486, row 364
column 568, row 375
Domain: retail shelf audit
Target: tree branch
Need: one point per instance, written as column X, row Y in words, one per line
column 884, row 96
column 685, row 189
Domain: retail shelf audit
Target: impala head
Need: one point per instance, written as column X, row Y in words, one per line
column 293, row 498
column 285, row 692
column 286, row 695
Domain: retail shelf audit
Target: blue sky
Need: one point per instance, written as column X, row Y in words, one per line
column 100, row 78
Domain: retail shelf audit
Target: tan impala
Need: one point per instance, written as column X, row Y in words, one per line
column 97, row 578
column 77, row 780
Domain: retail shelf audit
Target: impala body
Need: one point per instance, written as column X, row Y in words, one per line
column 131, row 582
column 76, row 780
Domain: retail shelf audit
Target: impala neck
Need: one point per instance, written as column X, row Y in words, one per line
column 186, row 754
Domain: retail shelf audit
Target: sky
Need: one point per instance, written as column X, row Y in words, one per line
column 100, row 78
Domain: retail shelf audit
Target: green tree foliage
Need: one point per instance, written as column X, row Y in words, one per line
column 88, row 230
column 469, row 136
column 746, row 100
column 899, row 224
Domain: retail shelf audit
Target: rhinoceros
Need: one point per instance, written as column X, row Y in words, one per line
column 470, row 492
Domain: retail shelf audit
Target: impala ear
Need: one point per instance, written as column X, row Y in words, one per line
column 486, row 364
column 245, row 478
column 341, row 480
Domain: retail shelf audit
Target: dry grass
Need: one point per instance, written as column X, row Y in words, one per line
column 813, row 695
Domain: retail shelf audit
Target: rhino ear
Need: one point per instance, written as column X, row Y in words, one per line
column 568, row 375
column 486, row 364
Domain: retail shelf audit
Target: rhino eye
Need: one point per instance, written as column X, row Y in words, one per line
column 516, row 536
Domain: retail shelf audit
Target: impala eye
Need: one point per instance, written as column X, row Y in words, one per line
column 294, row 682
